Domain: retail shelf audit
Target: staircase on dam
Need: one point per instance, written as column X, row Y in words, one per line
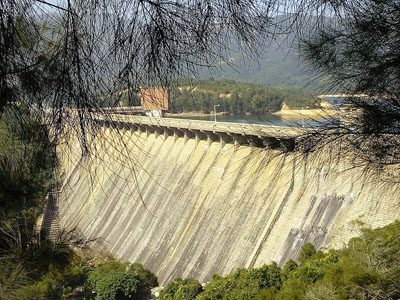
column 193, row 198
column 50, row 221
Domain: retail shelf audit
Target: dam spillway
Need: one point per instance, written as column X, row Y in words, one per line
column 190, row 207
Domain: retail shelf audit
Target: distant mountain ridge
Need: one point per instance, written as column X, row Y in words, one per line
column 280, row 64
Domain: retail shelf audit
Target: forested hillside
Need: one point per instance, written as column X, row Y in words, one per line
column 279, row 64
column 236, row 97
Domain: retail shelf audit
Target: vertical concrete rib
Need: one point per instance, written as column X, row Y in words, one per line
column 275, row 218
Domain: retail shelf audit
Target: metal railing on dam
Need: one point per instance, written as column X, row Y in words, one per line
column 282, row 137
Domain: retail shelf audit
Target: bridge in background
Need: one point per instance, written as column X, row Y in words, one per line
column 273, row 137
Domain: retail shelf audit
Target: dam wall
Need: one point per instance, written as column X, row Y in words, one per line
column 185, row 207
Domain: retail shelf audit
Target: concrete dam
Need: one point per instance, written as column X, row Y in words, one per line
column 191, row 199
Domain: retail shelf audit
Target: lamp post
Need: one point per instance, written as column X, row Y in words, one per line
column 302, row 116
column 215, row 112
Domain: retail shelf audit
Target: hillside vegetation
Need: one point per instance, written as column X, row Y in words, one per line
column 236, row 97
column 280, row 65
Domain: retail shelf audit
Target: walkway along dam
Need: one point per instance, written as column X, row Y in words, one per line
column 195, row 198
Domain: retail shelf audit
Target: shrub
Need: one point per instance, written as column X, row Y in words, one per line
column 114, row 280
column 147, row 280
column 243, row 284
column 307, row 251
column 181, row 289
column 114, row 285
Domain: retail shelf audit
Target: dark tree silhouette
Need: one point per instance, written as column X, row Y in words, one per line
column 359, row 54
column 81, row 54
column 71, row 58
column 56, row 56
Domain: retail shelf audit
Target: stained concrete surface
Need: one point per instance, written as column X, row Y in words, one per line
column 194, row 209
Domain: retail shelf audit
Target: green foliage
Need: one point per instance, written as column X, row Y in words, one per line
column 110, row 279
column 27, row 161
column 268, row 294
column 279, row 66
column 307, row 251
column 147, row 280
column 181, row 289
column 243, row 284
column 360, row 54
column 40, row 290
column 27, row 168
column 54, row 284
column 236, row 97
column 113, row 279
column 288, row 269
column 293, row 289
column 114, row 285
